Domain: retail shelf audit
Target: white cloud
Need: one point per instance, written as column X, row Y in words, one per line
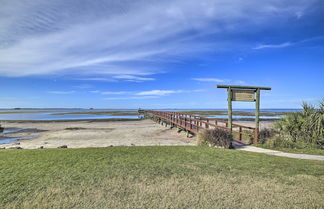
column 114, row 92
column 165, row 92
column 96, row 79
column 217, row 80
column 117, row 78
column 83, row 86
column 159, row 92
column 45, row 37
column 131, row 98
column 264, row 46
column 210, row 80
column 287, row 44
column 133, row 78
column 149, row 94
column 111, row 92
column 61, row 92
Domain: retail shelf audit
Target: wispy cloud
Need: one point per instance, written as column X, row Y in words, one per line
column 131, row 98
column 158, row 92
column 282, row 45
column 217, row 80
column 151, row 94
column 165, row 92
column 61, row 92
column 111, row 92
column 83, row 86
column 133, row 78
column 117, row 78
column 47, row 37
column 288, row 44
column 114, row 92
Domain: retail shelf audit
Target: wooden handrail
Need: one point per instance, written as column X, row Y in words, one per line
column 194, row 123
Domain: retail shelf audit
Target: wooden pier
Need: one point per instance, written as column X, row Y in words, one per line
column 194, row 123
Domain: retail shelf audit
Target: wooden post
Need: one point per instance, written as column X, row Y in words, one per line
column 257, row 115
column 229, row 99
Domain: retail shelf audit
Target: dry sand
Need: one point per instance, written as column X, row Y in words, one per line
column 95, row 134
column 77, row 134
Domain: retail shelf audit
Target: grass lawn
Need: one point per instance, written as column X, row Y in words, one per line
column 157, row 177
column 291, row 150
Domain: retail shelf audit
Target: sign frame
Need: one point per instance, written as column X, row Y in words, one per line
column 256, row 90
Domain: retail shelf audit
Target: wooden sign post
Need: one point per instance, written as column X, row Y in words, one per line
column 244, row 94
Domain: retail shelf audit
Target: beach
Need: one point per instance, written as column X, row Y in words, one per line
column 96, row 133
column 79, row 134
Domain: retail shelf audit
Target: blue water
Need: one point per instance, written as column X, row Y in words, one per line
column 49, row 114
column 7, row 140
column 4, row 138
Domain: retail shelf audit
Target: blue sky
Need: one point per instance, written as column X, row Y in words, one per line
column 159, row 54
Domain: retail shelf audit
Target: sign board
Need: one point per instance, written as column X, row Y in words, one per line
column 243, row 95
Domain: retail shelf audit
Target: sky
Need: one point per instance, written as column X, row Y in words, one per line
column 159, row 54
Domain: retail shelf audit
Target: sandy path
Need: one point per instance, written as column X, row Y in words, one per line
column 96, row 134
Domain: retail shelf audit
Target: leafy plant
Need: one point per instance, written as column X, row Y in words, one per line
column 265, row 134
column 216, row 137
column 304, row 128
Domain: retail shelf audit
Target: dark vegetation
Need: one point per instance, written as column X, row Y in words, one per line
column 216, row 137
column 74, row 128
column 297, row 130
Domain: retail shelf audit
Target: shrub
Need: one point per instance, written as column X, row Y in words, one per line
column 305, row 127
column 216, row 137
column 265, row 134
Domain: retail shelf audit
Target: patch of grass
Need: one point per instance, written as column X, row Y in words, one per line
column 312, row 151
column 157, row 177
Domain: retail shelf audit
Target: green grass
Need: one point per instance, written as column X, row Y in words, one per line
column 157, row 177
column 311, row 151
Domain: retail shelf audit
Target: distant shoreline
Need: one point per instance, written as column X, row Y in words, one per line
column 70, row 120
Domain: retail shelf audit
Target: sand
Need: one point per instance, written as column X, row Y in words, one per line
column 95, row 134
column 80, row 134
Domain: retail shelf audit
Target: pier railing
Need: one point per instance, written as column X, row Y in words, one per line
column 195, row 123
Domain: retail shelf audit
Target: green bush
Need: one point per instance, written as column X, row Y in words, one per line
column 265, row 134
column 305, row 127
column 216, row 137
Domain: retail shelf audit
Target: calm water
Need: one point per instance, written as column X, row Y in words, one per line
column 50, row 114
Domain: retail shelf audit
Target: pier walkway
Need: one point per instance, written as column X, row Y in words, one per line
column 194, row 123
